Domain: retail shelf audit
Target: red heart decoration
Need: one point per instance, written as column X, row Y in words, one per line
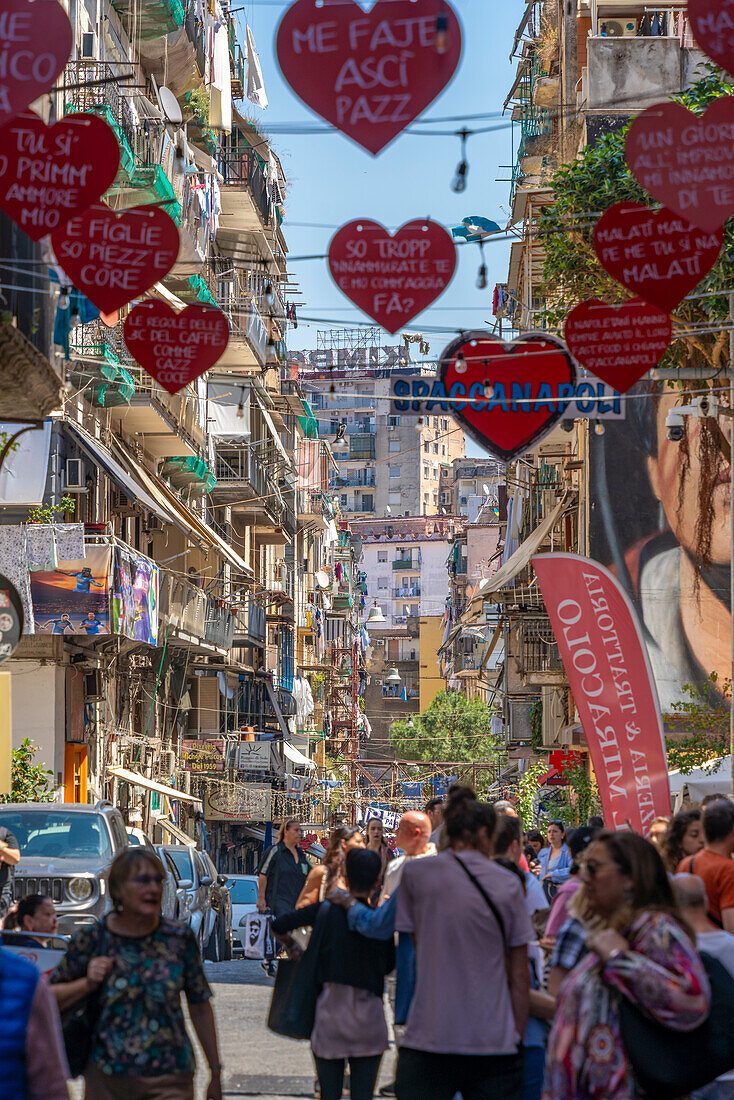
column 49, row 173
column 530, row 380
column 712, row 24
column 36, row 39
column 175, row 348
column 618, row 343
column 369, row 73
column 392, row 277
column 685, row 160
column 655, row 253
column 113, row 258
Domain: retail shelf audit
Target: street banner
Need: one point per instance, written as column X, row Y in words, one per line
column 74, row 597
column 392, row 277
column 135, row 597
column 618, row 343
column 712, row 26
column 175, row 348
column 686, row 160
column 609, row 671
column 389, row 818
column 36, row 44
column 369, row 73
column 655, row 253
column 50, row 173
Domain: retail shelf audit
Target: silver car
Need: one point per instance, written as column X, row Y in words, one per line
column 195, row 882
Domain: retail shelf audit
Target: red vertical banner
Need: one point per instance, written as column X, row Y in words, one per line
column 609, row 671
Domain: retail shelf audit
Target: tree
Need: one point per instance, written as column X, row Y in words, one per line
column 705, row 725
column 29, row 782
column 453, row 729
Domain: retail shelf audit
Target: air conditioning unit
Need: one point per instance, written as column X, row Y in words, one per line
column 630, row 28
column 74, row 479
column 169, row 762
column 618, row 28
column 89, row 46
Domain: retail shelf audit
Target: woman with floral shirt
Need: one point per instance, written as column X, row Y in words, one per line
column 138, row 964
column 639, row 948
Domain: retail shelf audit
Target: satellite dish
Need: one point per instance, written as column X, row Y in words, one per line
column 170, row 106
column 322, row 579
column 485, row 490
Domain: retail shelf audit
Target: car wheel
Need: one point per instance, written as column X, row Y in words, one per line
column 212, row 952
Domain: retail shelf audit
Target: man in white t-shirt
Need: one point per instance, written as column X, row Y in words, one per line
column 414, row 838
column 690, row 893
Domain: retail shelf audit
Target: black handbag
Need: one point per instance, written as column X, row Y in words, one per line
column 78, row 1023
column 668, row 1064
column 296, row 989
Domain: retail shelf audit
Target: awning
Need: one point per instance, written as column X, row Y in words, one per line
column 137, row 780
column 256, row 834
column 523, row 24
column 277, row 708
column 273, row 431
column 297, row 757
column 175, row 832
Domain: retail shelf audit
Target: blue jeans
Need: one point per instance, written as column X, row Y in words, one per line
column 533, row 1068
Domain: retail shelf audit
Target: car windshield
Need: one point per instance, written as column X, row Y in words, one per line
column 182, row 861
column 57, row 833
column 242, row 891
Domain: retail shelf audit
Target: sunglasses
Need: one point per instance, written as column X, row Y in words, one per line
column 147, row 880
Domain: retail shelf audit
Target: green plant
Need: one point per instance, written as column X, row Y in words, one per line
column 578, row 800
column 29, row 782
column 198, row 102
column 704, row 722
column 527, row 792
column 46, row 513
column 536, row 725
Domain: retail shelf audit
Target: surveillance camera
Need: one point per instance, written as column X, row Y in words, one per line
column 675, row 426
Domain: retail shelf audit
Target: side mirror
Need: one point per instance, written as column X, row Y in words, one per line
column 221, row 880
column 206, row 880
column 185, row 883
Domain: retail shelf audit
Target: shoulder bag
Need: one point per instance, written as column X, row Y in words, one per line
column 79, row 1022
column 495, row 911
column 667, row 1064
column 296, row 989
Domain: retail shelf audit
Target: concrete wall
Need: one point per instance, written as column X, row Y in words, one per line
column 38, row 705
column 431, row 680
column 629, row 74
column 434, row 576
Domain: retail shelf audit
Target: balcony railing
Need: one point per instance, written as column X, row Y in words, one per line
column 405, row 563
column 406, row 593
column 241, row 167
column 250, row 623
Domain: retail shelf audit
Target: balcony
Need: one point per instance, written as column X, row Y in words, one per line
column 248, row 334
column 533, row 645
column 247, row 198
column 103, row 386
column 412, row 593
column 405, row 563
column 243, row 484
column 250, row 624
column 150, row 19
column 190, row 475
column 168, row 423
column 625, row 75
column 312, row 509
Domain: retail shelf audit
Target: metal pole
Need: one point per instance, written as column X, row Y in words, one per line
column 731, row 540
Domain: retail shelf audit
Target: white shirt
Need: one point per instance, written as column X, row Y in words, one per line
column 394, row 871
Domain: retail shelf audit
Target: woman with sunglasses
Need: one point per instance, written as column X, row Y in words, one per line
column 638, row 947
column 133, row 966
column 555, row 860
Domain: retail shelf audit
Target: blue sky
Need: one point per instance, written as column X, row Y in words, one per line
column 332, row 181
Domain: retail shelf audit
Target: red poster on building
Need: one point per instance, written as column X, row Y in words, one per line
column 609, row 671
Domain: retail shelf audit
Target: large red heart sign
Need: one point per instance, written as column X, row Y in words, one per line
column 369, row 73
column 512, row 394
column 175, row 348
column 618, row 343
column 392, row 278
column 657, row 254
column 113, row 258
column 35, row 44
column 49, row 173
column 685, row 160
column 712, row 24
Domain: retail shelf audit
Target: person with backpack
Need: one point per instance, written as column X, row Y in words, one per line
column 714, row 864
column 639, row 952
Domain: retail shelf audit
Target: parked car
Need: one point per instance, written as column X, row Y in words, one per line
column 65, row 852
column 174, row 895
column 137, row 836
column 243, row 892
column 208, row 906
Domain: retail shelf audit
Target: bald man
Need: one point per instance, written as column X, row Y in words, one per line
column 690, row 894
column 414, row 838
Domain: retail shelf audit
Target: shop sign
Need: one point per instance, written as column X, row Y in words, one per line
column 36, row 40
column 241, row 804
column 175, row 348
column 50, row 173
column 655, row 253
column 618, row 343
column 686, row 160
column 113, row 258
column 389, row 818
column 204, row 757
column 608, row 668
column 253, row 756
column 392, row 277
column 369, row 73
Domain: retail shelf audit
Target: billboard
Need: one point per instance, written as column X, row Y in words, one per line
column 659, row 519
column 246, row 802
column 135, row 597
column 204, row 757
column 74, row 598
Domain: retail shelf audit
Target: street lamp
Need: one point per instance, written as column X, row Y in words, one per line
column 393, row 677
column 375, row 615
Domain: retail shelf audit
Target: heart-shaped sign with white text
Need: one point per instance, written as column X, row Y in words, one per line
column 114, row 258
column 175, row 348
column 50, row 173
column 618, row 343
column 392, row 277
column 508, row 396
column 369, row 73
column 712, row 25
column 35, row 44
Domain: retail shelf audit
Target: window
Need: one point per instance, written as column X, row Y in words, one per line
column 382, row 584
column 343, row 498
column 426, row 447
column 394, row 446
column 394, row 500
column 463, row 501
column 435, row 498
column 445, row 425
column 394, row 472
column 426, row 472
column 435, row 448
column 382, row 555
column 47, row 833
column 443, row 451
column 435, row 421
column 393, row 421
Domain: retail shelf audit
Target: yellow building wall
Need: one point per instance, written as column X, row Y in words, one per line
column 430, row 638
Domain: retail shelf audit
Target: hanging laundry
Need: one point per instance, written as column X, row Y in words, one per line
column 220, row 88
column 14, row 566
column 69, row 541
column 42, row 548
column 255, row 85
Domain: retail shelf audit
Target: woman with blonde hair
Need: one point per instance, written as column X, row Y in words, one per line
column 640, row 948
column 330, row 872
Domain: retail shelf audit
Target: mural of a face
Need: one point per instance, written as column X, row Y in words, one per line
column 255, row 926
